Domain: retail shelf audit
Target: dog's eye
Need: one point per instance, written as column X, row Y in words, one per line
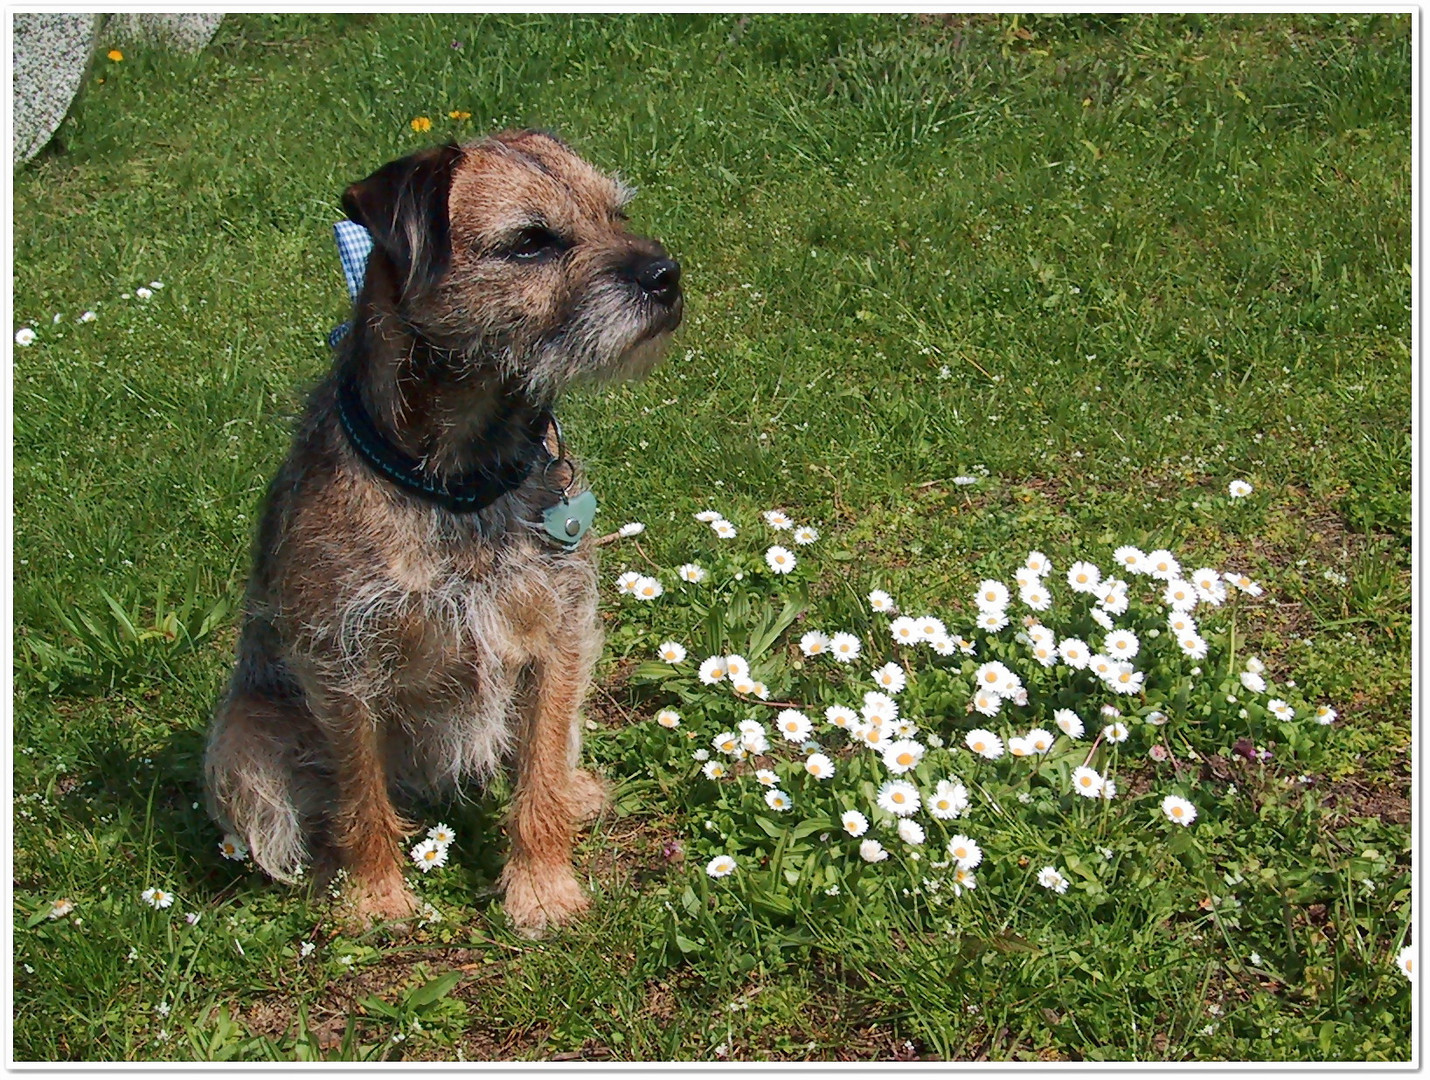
column 533, row 242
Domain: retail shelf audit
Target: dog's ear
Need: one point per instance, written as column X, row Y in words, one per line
column 404, row 206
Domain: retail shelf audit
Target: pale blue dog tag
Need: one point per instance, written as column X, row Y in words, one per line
column 568, row 520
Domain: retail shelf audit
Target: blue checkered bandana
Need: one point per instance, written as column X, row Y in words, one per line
column 354, row 244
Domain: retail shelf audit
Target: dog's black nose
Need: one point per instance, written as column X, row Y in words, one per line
column 660, row 278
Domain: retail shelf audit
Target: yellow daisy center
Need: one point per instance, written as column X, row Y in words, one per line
column 1086, row 781
column 978, row 747
column 906, row 758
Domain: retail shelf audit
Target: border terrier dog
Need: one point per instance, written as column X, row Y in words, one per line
column 413, row 620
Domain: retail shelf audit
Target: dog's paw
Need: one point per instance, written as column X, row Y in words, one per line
column 388, row 902
column 590, row 796
column 537, row 898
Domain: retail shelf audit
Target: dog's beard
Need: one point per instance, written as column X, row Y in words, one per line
column 611, row 338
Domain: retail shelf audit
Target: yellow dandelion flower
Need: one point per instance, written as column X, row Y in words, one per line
column 458, row 114
column 421, row 123
column 116, row 55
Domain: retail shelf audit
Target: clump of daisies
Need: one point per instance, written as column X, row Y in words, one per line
column 892, row 744
column 430, row 852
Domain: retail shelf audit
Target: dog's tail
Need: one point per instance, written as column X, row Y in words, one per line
column 251, row 780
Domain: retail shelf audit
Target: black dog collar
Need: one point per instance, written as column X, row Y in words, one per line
column 477, row 490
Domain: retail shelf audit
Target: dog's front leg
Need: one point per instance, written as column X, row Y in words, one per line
column 367, row 831
column 551, row 796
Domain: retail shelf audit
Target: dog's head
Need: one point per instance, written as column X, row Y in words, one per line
column 514, row 252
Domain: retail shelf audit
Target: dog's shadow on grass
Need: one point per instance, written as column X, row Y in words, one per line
column 149, row 809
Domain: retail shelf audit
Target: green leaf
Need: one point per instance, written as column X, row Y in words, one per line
column 435, row 990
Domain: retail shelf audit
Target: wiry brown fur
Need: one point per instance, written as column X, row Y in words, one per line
column 389, row 643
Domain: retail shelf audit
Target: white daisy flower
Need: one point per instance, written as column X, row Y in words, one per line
column 781, row 560
column 872, row 851
column 1121, row 645
column 668, row 718
column 814, row 643
column 776, row 799
column 898, row 797
column 1112, row 712
column 1243, row 583
column 1018, row 746
column 1181, row 595
column 720, row 866
column 708, row 517
column 845, row 648
column 854, row 823
column 1112, row 597
column 24, row 336
column 950, row 798
column 626, row 583
column 1084, row 577
column 902, row 755
column 1325, row 714
column 992, row 595
column 777, row 519
column 1238, row 489
column 1036, row 597
column 727, row 742
column 232, row 847
column 910, row 831
column 840, row 715
column 930, row 628
column 1050, row 878
column 1126, row 679
column 693, row 573
column 1075, row 653
column 819, row 766
column 891, row 677
column 1103, row 619
column 631, row 528
column 1179, row 622
column 1253, row 682
column 962, row 880
column 996, row 677
column 1193, row 645
column 1209, row 585
column 879, row 708
column 964, row 851
column 647, row 588
column 88, row 316
column 1280, row 709
column 1102, row 666
column 1069, row 723
column 1045, row 653
column 157, row 898
column 156, row 284
column 1038, row 563
column 987, row 702
column 874, row 736
column 1131, row 559
column 60, row 908
column 1087, row 782
column 793, row 725
column 761, row 691
column 737, row 667
column 1405, row 961
column 1109, row 789
column 442, row 833
column 1255, row 665
column 767, row 777
column 806, row 534
column 1178, row 810
column 701, row 755
column 1039, row 634
column 1162, row 565
column 1115, row 733
column 723, row 529
column 882, row 602
column 984, row 743
column 1023, row 577
column 712, row 670
column 904, row 630
column 142, row 293
column 1039, row 740
column 992, row 620
column 429, row 855
column 714, row 770
column 672, row 652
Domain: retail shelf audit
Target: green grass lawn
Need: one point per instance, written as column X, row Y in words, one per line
column 1103, row 265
